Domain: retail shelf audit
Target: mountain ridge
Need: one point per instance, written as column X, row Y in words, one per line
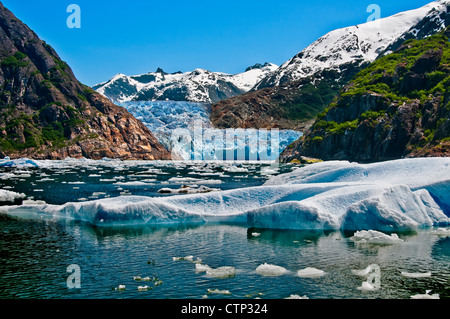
column 199, row 85
column 397, row 107
column 339, row 55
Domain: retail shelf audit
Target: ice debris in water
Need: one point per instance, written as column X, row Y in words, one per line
column 221, row 272
column 143, row 288
column 270, row 270
column 390, row 196
column 121, row 287
column 416, row 274
column 185, row 189
column 201, row 268
column 375, row 237
column 296, row 297
column 189, row 258
column 217, row 291
column 310, row 272
column 425, row 296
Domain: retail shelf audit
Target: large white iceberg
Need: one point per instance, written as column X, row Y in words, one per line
column 397, row 195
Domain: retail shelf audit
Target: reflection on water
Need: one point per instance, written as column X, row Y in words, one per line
column 34, row 256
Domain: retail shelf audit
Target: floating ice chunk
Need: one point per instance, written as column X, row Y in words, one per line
column 191, row 180
column 270, row 270
column 217, row 291
column 375, row 237
column 221, row 272
column 143, row 288
column 296, row 297
column 188, row 190
column 21, row 162
column 416, row 274
column 189, row 258
column 202, row 268
column 425, row 296
column 11, row 198
column 256, row 234
column 121, row 287
column 235, row 169
column 310, row 272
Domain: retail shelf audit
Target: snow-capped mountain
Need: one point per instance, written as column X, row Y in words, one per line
column 359, row 44
column 197, row 86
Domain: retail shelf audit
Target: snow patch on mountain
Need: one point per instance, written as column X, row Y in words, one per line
column 358, row 44
column 197, row 86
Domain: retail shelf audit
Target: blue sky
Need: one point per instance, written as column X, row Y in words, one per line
column 138, row 36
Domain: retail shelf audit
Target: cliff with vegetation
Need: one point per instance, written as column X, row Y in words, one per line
column 397, row 107
column 46, row 113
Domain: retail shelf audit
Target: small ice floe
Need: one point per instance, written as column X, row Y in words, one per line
column 121, row 287
column 143, row 288
column 201, row 268
column 425, row 296
column 185, row 189
column 256, row 234
column 235, row 169
column 191, row 180
column 441, row 231
column 270, row 270
column 139, row 278
column 221, row 272
column 219, row 292
column 416, row 274
column 296, row 297
column 375, row 237
column 311, row 272
column 189, row 258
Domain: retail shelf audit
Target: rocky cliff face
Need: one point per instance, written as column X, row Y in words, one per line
column 292, row 105
column 46, row 113
column 397, row 107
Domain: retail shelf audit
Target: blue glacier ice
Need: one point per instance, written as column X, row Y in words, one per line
column 186, row 130
column 404, row 194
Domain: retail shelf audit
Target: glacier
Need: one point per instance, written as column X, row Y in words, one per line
column 185, row 129
column 406, row 194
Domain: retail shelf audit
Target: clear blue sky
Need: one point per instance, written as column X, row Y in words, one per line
column 138, row 36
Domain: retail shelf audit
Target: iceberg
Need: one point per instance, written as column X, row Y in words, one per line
column 271, row 270
column 310, row 272
column 11, row 198
column 375, row 237
column 405, row 194
column 426, row 295
column 221, row 272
